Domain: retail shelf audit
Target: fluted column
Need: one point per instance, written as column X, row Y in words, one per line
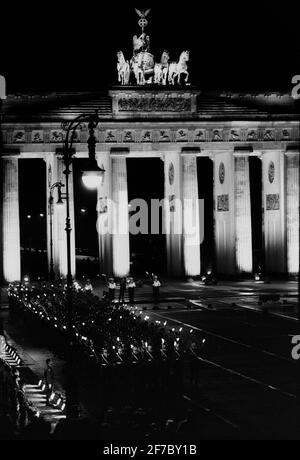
column 104, row 215
column 191, row 216
column 55, row 168
column 121, row 262
column 11, row 221
column 51, row 178
column 173, row 213
column 292, row 211
column 224, row 212
column 243, row 230
column 61, row 223
column 274, row 211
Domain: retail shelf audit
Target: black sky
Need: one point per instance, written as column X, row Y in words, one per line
column 67, row 46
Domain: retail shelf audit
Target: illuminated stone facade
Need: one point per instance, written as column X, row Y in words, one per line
column 177, row 125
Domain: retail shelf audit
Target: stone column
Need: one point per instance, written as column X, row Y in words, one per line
column 51, row 178
column 121, row 256
column 55, row 168
column 292, row 211
column 191, row 216
column 173, row 213
column 274, row 211
column 243, row 230
column 104, row 215
column 11, row 221
column 224, row 212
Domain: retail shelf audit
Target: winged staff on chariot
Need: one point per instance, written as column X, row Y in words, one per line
column 142, row 65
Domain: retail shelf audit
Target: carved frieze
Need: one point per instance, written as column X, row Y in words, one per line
column 110, row 136
column 269, row 135
column 159, row 134
column 223, row 203
column 56, row 136
column 154, row 104
column 285, row 134
column 273, row 202
column 172, row 202
column 19, row 136
column 37, row 136
column 164, row 136
column 182, row 135
column 234, row 135
column 199, row 135
column 271, row 172
column 128, row 136
column 146, row 136
column 217, row 135
column 252, row 135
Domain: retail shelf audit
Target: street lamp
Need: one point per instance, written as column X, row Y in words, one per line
column 57, row 185
column 92, row 177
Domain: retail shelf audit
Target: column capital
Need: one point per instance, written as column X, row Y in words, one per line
column 242, row 151
column 119, row 151
column 292, row 150
column 190, row 151
column 10, row 153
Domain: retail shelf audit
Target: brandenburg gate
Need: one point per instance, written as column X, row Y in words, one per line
column 154, row 112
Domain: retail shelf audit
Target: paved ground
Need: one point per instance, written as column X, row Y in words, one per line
column 249, row 382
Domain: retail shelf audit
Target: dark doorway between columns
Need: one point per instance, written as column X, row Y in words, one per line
column 33, row 218
column 255, row 169
column 145, row 177
column 206, row 189
column 86, row 237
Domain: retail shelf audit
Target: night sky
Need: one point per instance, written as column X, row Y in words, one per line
column 66, row 46
column 70, row 46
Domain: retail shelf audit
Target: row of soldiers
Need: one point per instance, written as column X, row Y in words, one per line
column 130, row 284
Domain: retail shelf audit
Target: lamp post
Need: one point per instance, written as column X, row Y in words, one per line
column 91, row 178
column 57, row 185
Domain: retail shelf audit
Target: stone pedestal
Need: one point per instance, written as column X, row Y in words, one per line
column 191, row 216
column 11, row 222
column 274, row 211
column 292, row 211
column 173, row 214
column 242, row 201
column 120, row 223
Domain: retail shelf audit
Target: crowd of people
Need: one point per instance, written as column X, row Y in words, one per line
column 150, row 359
column 125, row 423
column 15, row 411
column 110, row 333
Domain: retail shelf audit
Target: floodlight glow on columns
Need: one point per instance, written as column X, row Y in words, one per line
column 92, row 176
column 2, row 87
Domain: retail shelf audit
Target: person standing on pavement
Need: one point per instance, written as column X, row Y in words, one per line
column 88, row 286
column 155, row 287
column 49, row 380
column 131, row 287
column 122, row 290
column 111, row 289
